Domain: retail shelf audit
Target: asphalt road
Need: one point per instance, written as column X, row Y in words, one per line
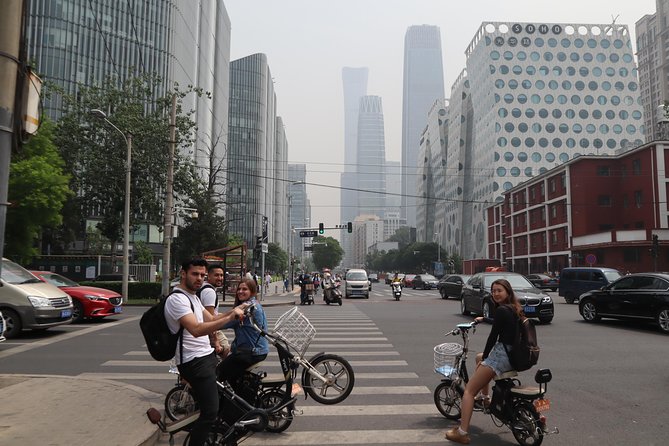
column 609, row 379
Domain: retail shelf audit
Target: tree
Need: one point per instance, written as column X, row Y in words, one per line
column 142, row 252
column 95, row 153
column 327, row 255
column 402, row 236
column 276, row 259
column 38, row 189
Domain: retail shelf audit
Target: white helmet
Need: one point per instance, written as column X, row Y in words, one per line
column 327, row 275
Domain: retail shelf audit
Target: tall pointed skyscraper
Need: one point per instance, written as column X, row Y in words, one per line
column 423, row 84
column 371, row 157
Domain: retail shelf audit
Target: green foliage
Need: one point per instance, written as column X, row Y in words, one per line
column 276, row 259
column 328, row 255
column 402, row 236
column 95, row 153
column 415, row 258
column 142, row 253
column 38, row 189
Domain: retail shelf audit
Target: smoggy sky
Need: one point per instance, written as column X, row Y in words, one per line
column 307, row 42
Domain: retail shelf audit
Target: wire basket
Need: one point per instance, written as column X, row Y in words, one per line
column 446, row 357
column 295, row 328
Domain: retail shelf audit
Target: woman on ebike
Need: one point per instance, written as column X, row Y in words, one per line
column 494, row 360
column 249, row 346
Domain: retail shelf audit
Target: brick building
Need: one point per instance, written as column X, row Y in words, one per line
column 592, row 210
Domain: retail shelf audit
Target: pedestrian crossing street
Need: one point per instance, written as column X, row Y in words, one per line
column 389, row 403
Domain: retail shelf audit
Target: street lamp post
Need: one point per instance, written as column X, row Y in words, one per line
column 438, row 237
column 290, row 233
column 126, row 217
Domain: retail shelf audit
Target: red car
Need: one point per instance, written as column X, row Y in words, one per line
column 408, row 280
column 88, row 301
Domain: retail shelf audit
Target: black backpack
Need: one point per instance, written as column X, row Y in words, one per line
column 525, row 351
column 204, row 287
column 160, row 341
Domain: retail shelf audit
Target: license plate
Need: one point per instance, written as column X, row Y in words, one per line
column 542, row 405
column 529, row 309
column 118, row 309
column 296, row 390
column 65, row 313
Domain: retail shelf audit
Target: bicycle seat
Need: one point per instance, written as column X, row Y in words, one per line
column 507, row 375
column 526, row 390
column 254, row 366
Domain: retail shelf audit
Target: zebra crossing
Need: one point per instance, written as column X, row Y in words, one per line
column 389, row 404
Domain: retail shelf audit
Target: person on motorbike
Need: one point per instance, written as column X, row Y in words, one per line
column 494, row 359
column 328, row 285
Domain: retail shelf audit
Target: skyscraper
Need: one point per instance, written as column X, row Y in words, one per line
column 423, row 84
column 371, row 160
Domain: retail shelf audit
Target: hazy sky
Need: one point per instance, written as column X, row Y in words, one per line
column 307, row 43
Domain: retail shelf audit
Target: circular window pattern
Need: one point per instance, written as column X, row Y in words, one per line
column 540, row 84
column 536, row 157
column 548, row 56
column 522, row 98
column 496, row 98
column 615, row 100
column 504, row 69
column 564, row 157
column 542, row 170
column 611, row 143
column 571, row 114
column 614, row 58
column 557, row 113
column 627, row 58
column 508, row 156
column 543, row 113
column 571, row 143
column 574, row 57
column 501, row 171
column 566, row 43
column 543, row 142
column 492, row 69
column 515, row 142
column 617, row 129
column 636, row 114
column 632, row 86
column 618, row 43
column 579, row 85
column 522, row 127
column 605, row 43
column 597, row 71
column 553, row 85
column 598, row 143
column 571, row 71
column 536, row 127
column 577, row 128
column 624, row 72
column 562, row 99
column 601, row 99
column 601, row 57
column 494, row 55
column 566, row 85
column 499, row 83
column 549, row 99
column 552, row 42
column 515, row 171
column 606, row 85
column 495, row 187
column 531, row 70
column 543, row 70
column 583, row 114
column 590, row 129
column 508, row 55
column 588, row 57
column 529, row 113
column 550, row 127
column 563, row 128
column 535, row 56
column 561, row 56
column 496, row 157
column 502, row 112
column 628, row 100
column 603, row 129
column 619, row 86
column 610, row 114
column 535, row 98
column 583, row 71
column 589, row 99
column 507, row 185
column 513, row 84
column 575, row 99
column 527, row 84
column 557, row 143
column 521, row 55
column 631, row 129
column 610, row 72
column 528, row 171
column 529, row 142
column 592, row 43
column 517, row 69
column 498, row 127
column 508, row 98
column 516, row 113
column 522, row 157
column 597, row 114
column 578, row 43
column 584, row 143
column 592, row 85
column 550, row 157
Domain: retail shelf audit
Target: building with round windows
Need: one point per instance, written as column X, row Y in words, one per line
column 541, row 94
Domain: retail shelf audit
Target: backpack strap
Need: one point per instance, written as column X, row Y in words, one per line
column 181, row 328
column 198, row 293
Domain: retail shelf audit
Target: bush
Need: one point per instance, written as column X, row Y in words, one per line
column 136, row 290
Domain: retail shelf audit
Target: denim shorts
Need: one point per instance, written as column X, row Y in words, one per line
column 498, row 360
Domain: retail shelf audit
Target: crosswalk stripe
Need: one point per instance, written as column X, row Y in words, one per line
column 318, row 338
column 171, row 376
column 394, row 436
column 353, row 410
column 124, row 363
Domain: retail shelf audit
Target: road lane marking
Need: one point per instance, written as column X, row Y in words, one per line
column 394, row 436
column 124, row 363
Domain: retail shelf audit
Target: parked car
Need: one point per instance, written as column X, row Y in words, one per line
column 424, row 281
column 542, row 281
column 452, row 285
column 28, row 303
column 2, row 328
column 374, row 277
column 407, row 280
column 357, row 283
column 114, row 278
column 578, row 280
column 390, row 277
column 476, row 297
column 636, row 296
column 88, row 301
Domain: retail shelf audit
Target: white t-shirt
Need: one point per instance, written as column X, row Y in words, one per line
column 176, row 307
column 208, row 298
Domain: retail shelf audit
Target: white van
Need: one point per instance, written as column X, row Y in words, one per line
column 357, row 283
column 28, row 303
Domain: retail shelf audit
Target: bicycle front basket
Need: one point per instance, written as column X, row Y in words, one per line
column 446, row 357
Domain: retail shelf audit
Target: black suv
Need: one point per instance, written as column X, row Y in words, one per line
column 476, row 297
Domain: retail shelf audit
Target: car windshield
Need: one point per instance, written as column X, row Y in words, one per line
column 612, row 275
column 428, row 277
column 16, row 274
column 58, row 280
column 517, row 281
column 356, row 276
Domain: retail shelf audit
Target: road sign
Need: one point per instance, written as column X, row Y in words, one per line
column 308, row 233
column 264, row 248
column 591, row 259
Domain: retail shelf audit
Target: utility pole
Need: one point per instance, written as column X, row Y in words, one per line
column 10, row 38
column 169, row 205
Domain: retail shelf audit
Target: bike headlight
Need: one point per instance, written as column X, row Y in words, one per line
column 546, row 300
column 39, row 302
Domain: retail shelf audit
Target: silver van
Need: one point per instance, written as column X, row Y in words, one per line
column 357, row 283
column 28, row 303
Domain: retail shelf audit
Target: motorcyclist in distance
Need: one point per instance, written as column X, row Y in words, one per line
column 328, row 284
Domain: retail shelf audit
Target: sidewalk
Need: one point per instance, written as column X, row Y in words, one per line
column 65, row 410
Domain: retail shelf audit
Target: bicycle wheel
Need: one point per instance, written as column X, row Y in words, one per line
column 525, row 426
column 280, row 420
column 179, row 402
column 339, row 379
column 448, row 399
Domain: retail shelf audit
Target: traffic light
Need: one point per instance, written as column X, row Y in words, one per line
column 321, row 228
column 349, row 227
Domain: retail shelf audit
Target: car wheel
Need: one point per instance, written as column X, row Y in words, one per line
column 545, row 320
column 77, row 311
column 663, row 320
column 12, row 323
column 486, row 309
column 443, row 293
column 569, row 298
column 463, row 307
column 589, row 311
